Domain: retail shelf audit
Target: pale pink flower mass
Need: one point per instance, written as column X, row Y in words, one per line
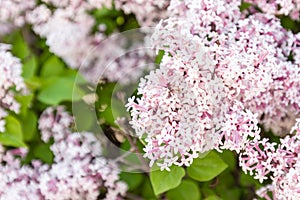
column 223, row 73
column 79, row 170
column 10, row 78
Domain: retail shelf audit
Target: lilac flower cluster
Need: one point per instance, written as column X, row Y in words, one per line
column 12, row 14
column 67, row 28
column 177, row 123
column 68, row 32
column 10, row 80
column 280, row 162
column 278, row 7
column 222, row 72
column 79, row 171
column 148, row 13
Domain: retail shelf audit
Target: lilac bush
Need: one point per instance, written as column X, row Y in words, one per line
column 210, row 90
column 78, row 171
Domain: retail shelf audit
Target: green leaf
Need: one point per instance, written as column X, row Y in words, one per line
column 33, row 83
column 29, row 124
column 207, row 191
column 287, row 23
column 229, row 158
column 52, row 67
column 163, row 181
column 25, row 102
column 234, row 193
column 187, row 190
column 213, row 197
column 29, row 67
column 13, row 135
column 84, row 116
column 133, row 180
column 245, row 6
column 43, row 152
column 75, row 76
column 58, row 89
column 147, row 189
column 247, row 181
column 159, row 56
column 20, row 48
column 207, row 168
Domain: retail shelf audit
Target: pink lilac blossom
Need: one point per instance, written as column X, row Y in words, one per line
column 256, row 71
column 296, row 48
column 279, row 7
column 76, row 4
column 280, row 162
column 267, row 82
column 10, row 80
column 117, row 61
column 148, row 13
column 17, row 181
column 55, row 123
column 12, row 14
column 79, row 170
column 177, row 125
column 68, row 33
column 252, row 74
column 184, row 111
column 202, row 19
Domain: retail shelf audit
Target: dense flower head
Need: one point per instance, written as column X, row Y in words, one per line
column 119, row 58
column 68, row 30
column 10, row 81
column 265, row 81
column 57, row 29
column 184, row 110
column 206, row 16
column 17, row 181
column 280, row 162
column 285, row 186
column 256, row 159
column 278, row 7
column 54, row 123
column 250, row 74
column 256, row 72
column 165, row 113
column 12, row 14
column 148, row 13
column 190, row 19
column 79, row 170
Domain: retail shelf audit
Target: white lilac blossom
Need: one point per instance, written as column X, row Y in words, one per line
column 54, row 123
column 68, row 32
column 10, row 81
column 255, row 71
column 185, row 108
column 265, row 81
column 278, row 7
column 79, row 4
column 148, row 13
column 17, row 181
column 184, row 111
column 79, row 170
column 12, row 14
column 176, row 110
column 120, row 59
